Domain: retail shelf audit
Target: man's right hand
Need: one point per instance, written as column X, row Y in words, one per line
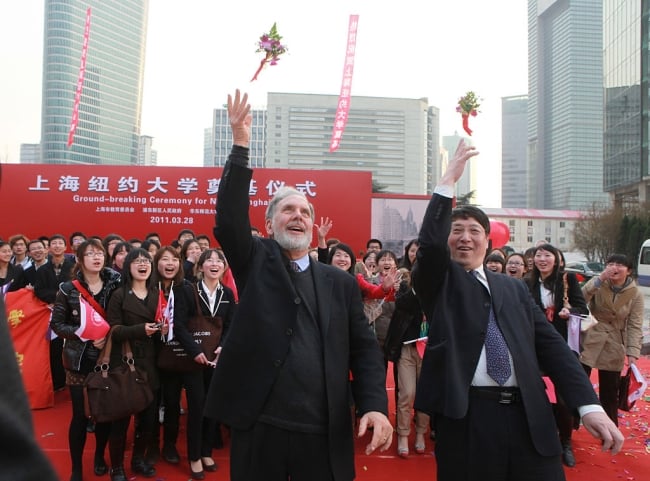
column 456, row 166
column 240, row 118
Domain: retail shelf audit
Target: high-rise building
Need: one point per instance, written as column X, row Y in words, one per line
column 109, row 108
column 390, row 137
column 30, row 153
column 514, row 143
column 434, row 154
column 218, row 140
column 147, row 155
column 626, row 165
column 565, row 104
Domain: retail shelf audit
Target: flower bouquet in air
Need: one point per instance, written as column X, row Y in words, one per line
column 270, row 44
column 468, row 105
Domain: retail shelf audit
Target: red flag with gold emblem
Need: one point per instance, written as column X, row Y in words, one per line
column 28, row 319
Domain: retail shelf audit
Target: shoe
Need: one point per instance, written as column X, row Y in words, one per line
column 403, row 446
column 211, row 466
column 100, row 467
column 140, row 466
column 76, row 476
column 117, row 474
column 170, row 454
column 568, row 458
column 420, row 447
column 197, row 474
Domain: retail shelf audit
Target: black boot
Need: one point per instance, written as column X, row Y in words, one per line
column 117, row 474
column 568, row 458
column 170, row 454
column 138, row 464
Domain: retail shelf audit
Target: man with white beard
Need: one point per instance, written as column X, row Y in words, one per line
column 282, row 379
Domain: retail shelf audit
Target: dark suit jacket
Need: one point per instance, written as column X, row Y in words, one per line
column 457, row 307
column 260, row 335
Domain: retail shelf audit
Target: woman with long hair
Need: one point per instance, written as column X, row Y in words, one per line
column 617, row 303
column 132, row 313
column 549, row 286
column 410, row 253
column 216, row 303
column 80, row 357
column 168, row 276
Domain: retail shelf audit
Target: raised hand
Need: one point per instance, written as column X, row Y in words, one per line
column 323, row 229
column 456, row 166
column 240, row 118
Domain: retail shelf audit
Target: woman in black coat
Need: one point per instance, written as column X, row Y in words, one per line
column 209, row 298
column 79, row 356
column 549, row 286
column 132, row 313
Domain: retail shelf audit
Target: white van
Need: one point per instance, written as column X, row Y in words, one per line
column 643, row 268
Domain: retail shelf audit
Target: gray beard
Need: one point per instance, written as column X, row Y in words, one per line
column 290, row 243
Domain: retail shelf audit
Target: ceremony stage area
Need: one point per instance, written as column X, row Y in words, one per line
column 632, row 464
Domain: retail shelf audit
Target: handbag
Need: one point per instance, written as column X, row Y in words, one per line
column 587, row 321
column 206, row 332
column 112, row 394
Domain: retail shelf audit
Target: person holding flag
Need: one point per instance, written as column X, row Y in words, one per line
column 169, row 277
column 83, row 331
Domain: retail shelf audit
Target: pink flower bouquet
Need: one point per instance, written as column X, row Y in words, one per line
column 270, row 44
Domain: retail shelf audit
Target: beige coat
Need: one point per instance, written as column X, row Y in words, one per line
column 619, row 330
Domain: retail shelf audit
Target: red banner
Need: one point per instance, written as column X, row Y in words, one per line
column 343, row 107
column 80, row 81
column 28, row 319
column 133, row 201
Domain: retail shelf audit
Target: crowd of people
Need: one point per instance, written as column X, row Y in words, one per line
column 307, row 335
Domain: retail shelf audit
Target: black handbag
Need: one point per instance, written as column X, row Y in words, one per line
column 206, row 332
column 112, row 394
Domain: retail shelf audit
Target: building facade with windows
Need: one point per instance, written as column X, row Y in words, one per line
column 626, row 164
column 514, row 141
column 565, row 104
column 218, row 139
column 109, row 110
column 390, row 137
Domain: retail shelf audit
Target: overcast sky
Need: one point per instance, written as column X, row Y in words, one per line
column 198, row 51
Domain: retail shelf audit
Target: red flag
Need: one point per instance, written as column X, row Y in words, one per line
column 421, row 345
column 93, row 325
column 28, row 318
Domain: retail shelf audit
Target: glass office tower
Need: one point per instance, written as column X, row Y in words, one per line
column 110, row 105
column 626, row 76
column 565, row 104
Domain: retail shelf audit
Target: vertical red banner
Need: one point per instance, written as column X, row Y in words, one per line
column 80, row 81
column 343, row 106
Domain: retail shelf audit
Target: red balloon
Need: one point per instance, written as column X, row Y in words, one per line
column 499, row 233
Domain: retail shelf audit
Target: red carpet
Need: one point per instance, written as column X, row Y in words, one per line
column 633, row 464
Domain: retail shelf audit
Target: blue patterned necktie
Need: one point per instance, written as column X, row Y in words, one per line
column 496, row 349
column 294, row 266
